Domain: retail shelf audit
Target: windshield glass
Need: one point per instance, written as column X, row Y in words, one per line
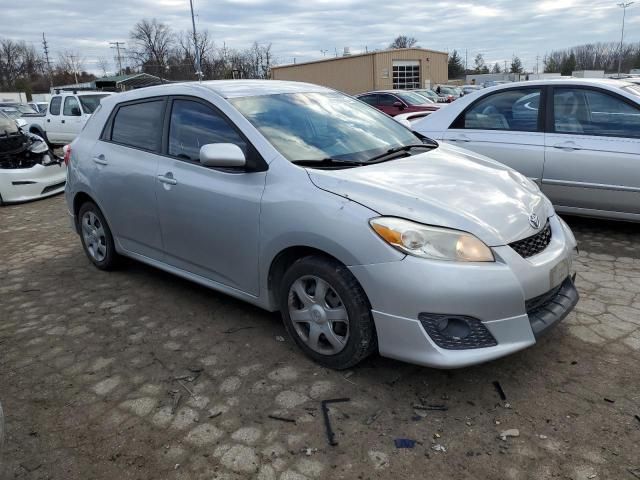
column 25, row 109
column 411, row 98
column 448, row 90
column 316, row 126
column 90, row 102
column 11, row 113
column 7, row 124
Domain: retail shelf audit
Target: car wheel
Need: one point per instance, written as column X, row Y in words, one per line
column 327, row 313
column 96, row 237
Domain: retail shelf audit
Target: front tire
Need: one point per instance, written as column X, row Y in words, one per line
column 96, row 237
column 327, row 313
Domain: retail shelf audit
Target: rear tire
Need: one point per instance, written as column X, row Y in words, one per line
column 96, row 237
column 327, row 313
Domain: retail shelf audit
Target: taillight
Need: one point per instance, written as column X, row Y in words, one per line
column 67, row 154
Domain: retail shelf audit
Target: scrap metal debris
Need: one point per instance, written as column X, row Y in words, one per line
column 176, row 396
column 237, row 329
column 608, row 400
column 499, row 389
column 279, row 338
column 439, row 448
column 442, row 408
column 373, row 417
column 404, row 443
column 282, row 419
column 327, row 421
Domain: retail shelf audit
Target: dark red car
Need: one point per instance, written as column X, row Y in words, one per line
column 394, row 102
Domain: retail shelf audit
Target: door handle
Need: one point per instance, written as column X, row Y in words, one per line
column 568, row 146
column 62, row 121
column 48, row 120
column 168, row 179
column 460, row 138
column 100, row 160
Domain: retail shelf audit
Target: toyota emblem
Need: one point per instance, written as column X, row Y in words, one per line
column 534, row 221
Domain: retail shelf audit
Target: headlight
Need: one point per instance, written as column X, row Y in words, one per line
column 431, row 242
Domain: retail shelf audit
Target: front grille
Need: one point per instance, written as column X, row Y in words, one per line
column 530, row 246
column 51, row 188
column 467, row 332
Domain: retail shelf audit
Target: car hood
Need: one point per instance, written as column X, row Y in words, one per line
column 447, row 187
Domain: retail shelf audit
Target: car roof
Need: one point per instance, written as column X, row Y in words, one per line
column 594, row 82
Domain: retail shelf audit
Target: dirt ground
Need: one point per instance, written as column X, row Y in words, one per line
column 137, row 374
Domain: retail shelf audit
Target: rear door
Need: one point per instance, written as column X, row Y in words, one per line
column 53, row 120
column 506, row 126
column 593, row 151
column 210, row 218
column 123, row 176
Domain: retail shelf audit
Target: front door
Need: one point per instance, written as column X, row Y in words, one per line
column 52, row 123
column 593, row 152
column 71, row 121
column 209, row 217
column 505, row 126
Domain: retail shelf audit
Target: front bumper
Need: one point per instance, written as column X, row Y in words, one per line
column 495, row 294
column 39, row 181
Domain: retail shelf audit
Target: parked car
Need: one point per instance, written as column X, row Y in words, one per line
column 579, row 139
column 393, row 102
column 21, row 107
column 14, row 114
column 430, row 94
column 494, row 83
column 28, row 168
column 298, row 198
column 39, row 107
column 65, row 117
column 448, row 92
column 467, row 89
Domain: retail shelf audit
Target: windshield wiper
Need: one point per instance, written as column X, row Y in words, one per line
column 328, row 163
column 392, row 152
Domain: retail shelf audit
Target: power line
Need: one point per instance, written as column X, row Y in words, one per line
column 117, row 47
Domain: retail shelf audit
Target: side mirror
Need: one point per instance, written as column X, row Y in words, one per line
column 399, row 105
column 226, row 155
column 75, row 112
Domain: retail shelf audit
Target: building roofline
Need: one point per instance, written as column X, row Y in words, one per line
column 375, row 52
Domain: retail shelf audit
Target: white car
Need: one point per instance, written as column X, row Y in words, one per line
column 28, row 168
column 579, row 139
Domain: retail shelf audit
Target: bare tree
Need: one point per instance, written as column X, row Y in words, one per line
column 152, row 43
column 402, row 41
column 103, row 65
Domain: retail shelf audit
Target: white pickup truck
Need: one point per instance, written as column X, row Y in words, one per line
column 65, row 117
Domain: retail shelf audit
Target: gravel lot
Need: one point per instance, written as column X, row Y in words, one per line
column 137, row 374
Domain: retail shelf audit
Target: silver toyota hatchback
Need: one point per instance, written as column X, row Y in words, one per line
column 294, row 197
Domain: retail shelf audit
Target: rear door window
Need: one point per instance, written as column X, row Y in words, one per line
column 370, row 99
column 193, row 125
column 69, row 104
column 139, row 125
column 387, row 100
column 515, row 110
column 591, row 112
column 54, row 106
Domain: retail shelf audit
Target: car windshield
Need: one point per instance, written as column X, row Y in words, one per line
column 448, row 90
column 318, row 126
column 25, row 109
column 411, row 98
column 90, row 102
column 11, row 113
column 7, row 124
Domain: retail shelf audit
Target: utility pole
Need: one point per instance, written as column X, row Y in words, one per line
column 75, row 69
column 195, row 44
column 46, row 56
column 466, row 58
column 624, row 6
column 537, row 67
column 117, row 47
column 505, row 67
column 324, row 52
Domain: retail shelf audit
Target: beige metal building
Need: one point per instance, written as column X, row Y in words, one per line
column 399, row 68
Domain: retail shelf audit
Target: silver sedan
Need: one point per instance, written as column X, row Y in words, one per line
column 297, row 198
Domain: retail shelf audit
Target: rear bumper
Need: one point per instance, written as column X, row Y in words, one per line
column 23, row 184
column 494, row 295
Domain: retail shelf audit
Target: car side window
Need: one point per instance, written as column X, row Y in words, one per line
column 387, row 100
column 139, row 125
column 193, row 125
column 69, row 104
column 370, row 99
column 591, row 112
column 54, row 106
column 514, row 110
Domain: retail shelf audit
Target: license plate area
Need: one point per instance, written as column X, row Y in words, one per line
column 559, row 273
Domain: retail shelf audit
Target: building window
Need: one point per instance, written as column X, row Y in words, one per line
column 406, row 75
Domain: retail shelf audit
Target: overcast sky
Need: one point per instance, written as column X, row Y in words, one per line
column 496, row 28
